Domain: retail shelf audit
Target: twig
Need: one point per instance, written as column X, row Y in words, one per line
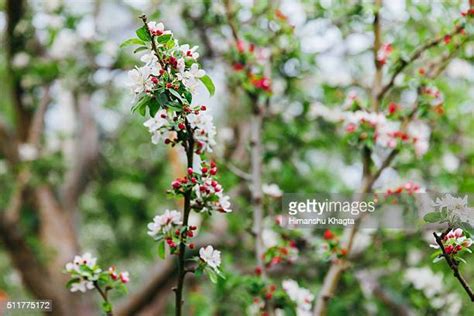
column 104, row 296
column 454, row 266
column 378, row 65
column 402, row 63
column 238, row 172
column 186, row 211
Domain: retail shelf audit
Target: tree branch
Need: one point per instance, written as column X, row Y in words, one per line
column 402, row 63
column 378, row 65
column 453, row 265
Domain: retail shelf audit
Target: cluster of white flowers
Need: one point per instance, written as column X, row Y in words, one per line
column 301, row 296
column 27, row 152
column 420, row 133
column 455, row 241
column 204, row 131
column 164, row 223
column 205, row 191
column 211, row 257
column 387, row 133
column 424, row 279
column 158, row 125
column 189, row 77
column 74, row 267
column 143, row 79
column 146, row 79
column 433, row 287
column 272, row 190
column 456, row 206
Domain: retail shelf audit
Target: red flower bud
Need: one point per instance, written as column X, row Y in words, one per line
column 191, row 246
column 176, row 184
column 181, row 125
column 392, row 107
column 204, row 169
column 447, row 39
column 190, row 171
column 328, row 234
column 203, row 108
column 258, row 271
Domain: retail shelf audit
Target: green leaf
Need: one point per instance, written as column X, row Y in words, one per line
column 106, row 307
column 142, row 105
column 132, row 41
column 139, row 49
column 433, row 217
column 143, row 34
column 212, row 275
column 153, row 106
column 72, row 281
column 177, row 95
column 207, row 81
column 163, row 38
column 162, row 250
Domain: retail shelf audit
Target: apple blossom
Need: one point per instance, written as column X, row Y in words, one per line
column 301, row 296
column 189, row 52
column 158, row 125
column 164, row 88
column 211, row 257
column 454, row 242
column 162, row 224
column 272, row 190
column 384, row 52
column 87, row 275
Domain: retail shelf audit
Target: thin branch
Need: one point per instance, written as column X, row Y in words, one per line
column 454, row 267
column 403, row 63
column 378, row 65
column 238, row 172
column 103, row 294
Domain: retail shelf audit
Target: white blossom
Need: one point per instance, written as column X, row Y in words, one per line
column 211, row 257
column 269, row 238
column 420, row 133
column 272, row 190
column 86, row 259
column 456, row 206
column 164, row 223
column 21, row 60
column 424, row 279
column 189, row 52
column 83, row 285
column 189, row 78
column 157, row 125
column 157, row 28
column 301, row 296
column 204, row 130
column 27, row 152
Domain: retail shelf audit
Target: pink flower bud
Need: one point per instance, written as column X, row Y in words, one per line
column 458, row 232
column 449, row 249
column 124, row 277
column 176, row 184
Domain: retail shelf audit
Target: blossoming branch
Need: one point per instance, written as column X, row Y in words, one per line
column 164, row 86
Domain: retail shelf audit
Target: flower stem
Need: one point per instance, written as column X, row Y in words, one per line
column 103, row 294
column 186, row 210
